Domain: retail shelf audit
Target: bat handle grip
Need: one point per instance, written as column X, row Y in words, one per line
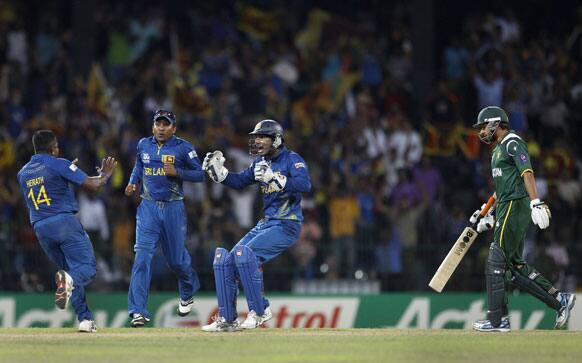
column 490, row 203
column 483, row 212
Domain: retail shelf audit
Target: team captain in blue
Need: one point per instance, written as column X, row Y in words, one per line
column 163, row 162
column 44, row 182
column 282, row 176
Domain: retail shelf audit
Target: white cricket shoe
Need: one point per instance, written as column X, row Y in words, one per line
column 65, row 288
column 567, row 303
column 221, row 325
column 253, row 321
column 185, row 306
column 88, row 326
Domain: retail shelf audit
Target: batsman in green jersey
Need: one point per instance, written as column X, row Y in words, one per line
column 516, row 203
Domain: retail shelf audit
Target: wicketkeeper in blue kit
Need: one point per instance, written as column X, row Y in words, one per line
column 282, row 176
column 163, row 162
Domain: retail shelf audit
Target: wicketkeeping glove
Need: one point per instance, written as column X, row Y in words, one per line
column 540, row 213
column 264, row 174
column 213, row 165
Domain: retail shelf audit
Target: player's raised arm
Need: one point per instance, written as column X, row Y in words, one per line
column 213, row 165
column 70, row 171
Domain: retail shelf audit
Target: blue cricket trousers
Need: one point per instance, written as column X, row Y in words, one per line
column 164, row 222
column 66, row 243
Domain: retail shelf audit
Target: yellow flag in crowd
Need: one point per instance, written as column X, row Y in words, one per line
column 309, row 37
column 97, row 91
column 257, row 23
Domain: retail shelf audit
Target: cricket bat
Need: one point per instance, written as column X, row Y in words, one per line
column 457, row 252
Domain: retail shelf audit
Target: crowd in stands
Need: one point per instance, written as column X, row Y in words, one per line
column 395, row 177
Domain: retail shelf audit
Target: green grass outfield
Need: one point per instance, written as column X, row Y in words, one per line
column 127, row 345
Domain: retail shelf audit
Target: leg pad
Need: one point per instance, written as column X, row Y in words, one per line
column 251, row 277
column 225, row 281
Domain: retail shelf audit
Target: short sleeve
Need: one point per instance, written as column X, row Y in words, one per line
column 69, row 171
column 517, row 150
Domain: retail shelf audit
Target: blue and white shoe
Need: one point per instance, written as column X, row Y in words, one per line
column 566, row 304
column 481, row 322
column 486, row 326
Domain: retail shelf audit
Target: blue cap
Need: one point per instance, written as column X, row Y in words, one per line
column 168, row 115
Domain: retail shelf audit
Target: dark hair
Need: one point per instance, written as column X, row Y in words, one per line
column 43, row 141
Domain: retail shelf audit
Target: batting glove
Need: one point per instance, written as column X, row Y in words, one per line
column 213, row 165
column 540, row 213
column 486, row 223
column 475, row 216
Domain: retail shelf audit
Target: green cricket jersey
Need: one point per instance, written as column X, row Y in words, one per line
column 509, row 161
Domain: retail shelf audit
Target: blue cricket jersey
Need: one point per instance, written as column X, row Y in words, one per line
column 149, row 168
column 285, row 204
column 44, row 182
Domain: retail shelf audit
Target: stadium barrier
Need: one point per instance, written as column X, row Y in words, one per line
column 398, row 310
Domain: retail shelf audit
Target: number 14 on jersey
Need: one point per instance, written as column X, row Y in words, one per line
column 40, row 198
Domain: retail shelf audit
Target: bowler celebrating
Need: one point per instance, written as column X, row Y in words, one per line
column 44, row 182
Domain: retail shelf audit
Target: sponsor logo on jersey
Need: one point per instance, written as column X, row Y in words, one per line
column 145, row 158
column 168, row 159
column 299, row 165
column 73, row 167
column 523, row 158
column 192, row 154
column 497, row 172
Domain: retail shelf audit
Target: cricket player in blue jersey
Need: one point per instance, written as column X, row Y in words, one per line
column 282, row 176
column 44, row 182
column 163, row 162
